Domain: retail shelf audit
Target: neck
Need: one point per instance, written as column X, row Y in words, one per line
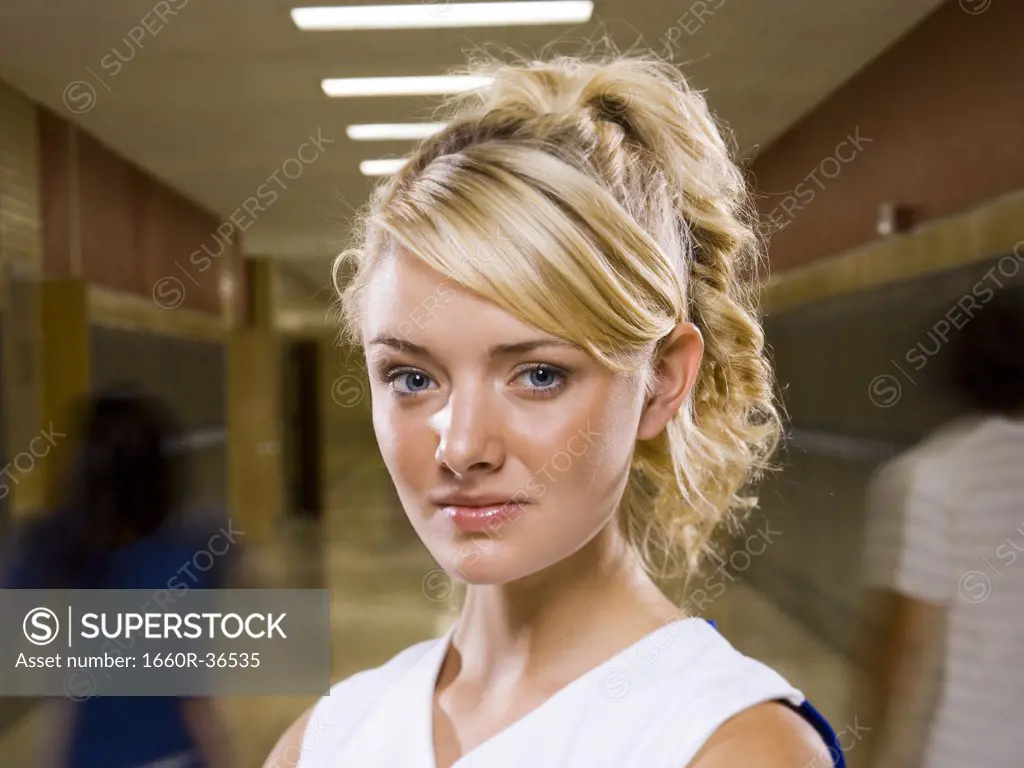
column 590, row 605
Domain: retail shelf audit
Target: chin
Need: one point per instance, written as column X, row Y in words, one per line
column 485, row 561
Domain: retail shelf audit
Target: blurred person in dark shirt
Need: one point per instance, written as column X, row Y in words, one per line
column 119, row 527
column 944, row 683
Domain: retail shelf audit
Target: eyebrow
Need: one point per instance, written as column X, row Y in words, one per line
column 498, row 350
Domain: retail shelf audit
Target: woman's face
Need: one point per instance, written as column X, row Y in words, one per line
column 509, row 448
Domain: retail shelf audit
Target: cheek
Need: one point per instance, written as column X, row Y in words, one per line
column 393, row 434
column 615, row 419
column 381, row 423
column 604, row 462
column 589, row 457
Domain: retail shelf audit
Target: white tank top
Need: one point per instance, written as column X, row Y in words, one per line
column 652, row 705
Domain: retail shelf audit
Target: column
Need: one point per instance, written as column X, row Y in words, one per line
column 255, row 472
column 64, row 365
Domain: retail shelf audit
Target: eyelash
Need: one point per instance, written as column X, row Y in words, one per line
column 561, row 375
column 393, row 374
column 540, row 392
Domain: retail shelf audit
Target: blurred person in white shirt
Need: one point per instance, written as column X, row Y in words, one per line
column 943, row 683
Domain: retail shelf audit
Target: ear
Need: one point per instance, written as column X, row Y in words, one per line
column 675, row 371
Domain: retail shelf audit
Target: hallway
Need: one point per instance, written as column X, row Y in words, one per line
column 178, row 179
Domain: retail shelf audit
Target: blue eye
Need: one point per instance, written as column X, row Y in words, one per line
column 543, row 378
column 415, row 382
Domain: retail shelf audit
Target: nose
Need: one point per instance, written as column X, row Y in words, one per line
column 469, row 437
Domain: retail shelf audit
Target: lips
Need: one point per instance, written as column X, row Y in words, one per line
column 481, row 516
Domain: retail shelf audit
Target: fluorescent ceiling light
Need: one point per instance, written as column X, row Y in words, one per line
column 429, row 85
column 395, row 131
column 382, row 167
column 443, row 13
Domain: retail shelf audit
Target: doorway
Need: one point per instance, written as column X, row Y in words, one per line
column 302, row 428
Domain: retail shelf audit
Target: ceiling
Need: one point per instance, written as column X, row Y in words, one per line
column 215, row 101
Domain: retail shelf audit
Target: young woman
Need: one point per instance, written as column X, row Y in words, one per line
column 115, row 530
column 569, row 391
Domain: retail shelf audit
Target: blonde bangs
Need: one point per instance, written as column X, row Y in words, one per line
column 526, row 248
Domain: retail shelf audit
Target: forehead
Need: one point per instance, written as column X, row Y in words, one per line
column 408, row 300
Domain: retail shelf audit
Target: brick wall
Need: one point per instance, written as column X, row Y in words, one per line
column 114, row 225
column 936, row 123
column 20, row 215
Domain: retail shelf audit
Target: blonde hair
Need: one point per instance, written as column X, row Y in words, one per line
column 597, row 201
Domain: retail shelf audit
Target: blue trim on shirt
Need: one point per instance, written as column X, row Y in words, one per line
column 820, row 724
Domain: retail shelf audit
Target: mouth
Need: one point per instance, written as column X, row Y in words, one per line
column 481, row 516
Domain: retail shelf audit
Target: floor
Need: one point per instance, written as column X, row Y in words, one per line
column 379, row 608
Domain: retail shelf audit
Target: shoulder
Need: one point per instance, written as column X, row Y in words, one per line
column 718, row 701
column 330, row 722
column 948, row 445
column 923, row 474
column 769, row 735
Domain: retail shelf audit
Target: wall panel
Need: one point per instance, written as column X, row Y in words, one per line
column 107, row 188
column 837, row 364
column 189, row 376
column 55, row 158
column 21, row 245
